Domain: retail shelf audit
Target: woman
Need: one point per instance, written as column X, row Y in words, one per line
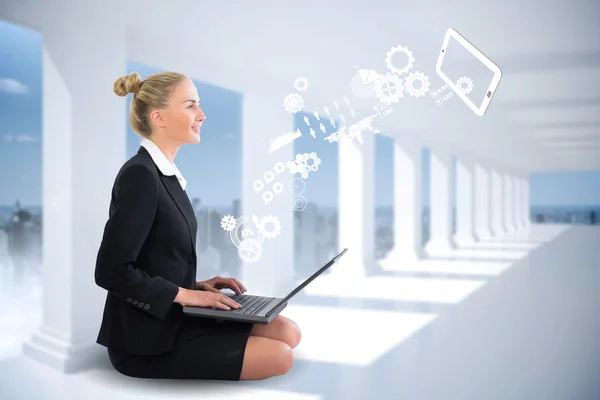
column 147, row 259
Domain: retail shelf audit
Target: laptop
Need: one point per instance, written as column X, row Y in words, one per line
column 255, row 309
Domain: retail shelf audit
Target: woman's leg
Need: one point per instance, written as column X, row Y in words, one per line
column 265, row 358
column 281, row 328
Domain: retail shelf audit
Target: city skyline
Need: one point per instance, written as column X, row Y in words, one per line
column 220, row 149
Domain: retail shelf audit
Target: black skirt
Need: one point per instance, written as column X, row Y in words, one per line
column 208, row 349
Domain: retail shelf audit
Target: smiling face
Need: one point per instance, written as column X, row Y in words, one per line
column 182, row 120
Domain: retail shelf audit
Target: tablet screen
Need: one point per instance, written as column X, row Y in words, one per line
column 469, row 74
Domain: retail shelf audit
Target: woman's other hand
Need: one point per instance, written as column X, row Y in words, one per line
column 197, row 298
column 217, row 283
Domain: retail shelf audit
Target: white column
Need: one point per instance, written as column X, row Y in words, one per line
column 517, row 204
column 84, row 145
column 497, row 207
column 521, row 216
column 264, row 118
column 483, row 192
column 441, row 201
column 526, row 200
column 356, row 218
column 465, row 202
column 509, row 202
column 408, row 202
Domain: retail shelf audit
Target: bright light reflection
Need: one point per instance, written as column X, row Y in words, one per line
column 449, row 267
column 329, row 332
column 428, row 290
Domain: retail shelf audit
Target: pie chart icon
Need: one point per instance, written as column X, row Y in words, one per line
column 368, row 76
column 362, row 83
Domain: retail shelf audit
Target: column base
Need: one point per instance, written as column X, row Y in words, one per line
column 465, row 239
column 484, row 235
column 350, row 268
column 62, row 352
column 511, row 228
column 404, row 256
column 438, row 245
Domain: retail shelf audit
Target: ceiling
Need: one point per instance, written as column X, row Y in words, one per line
column 544, row 116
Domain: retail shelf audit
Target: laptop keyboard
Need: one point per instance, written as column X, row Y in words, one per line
column 251, row 305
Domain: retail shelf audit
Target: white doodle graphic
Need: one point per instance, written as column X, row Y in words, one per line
column 302, row 166
column 265, row 231
column 293, row 103
column 465, row 84
column 243, row 230
column 297, row 185
column 258, row 185
column 250, row 250
column 228, row 223
column 417, row 84
column 392, row 57
column 267, row 197
column 389, row 88
column 299, row 203
column 301, row 84
column 283, row 139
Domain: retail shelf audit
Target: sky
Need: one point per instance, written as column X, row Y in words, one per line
column 212, row 168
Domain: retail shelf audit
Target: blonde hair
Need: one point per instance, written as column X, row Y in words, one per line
column 148, row 94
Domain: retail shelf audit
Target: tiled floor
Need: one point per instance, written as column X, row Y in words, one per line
column 513, row 318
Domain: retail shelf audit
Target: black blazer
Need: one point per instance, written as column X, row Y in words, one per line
column 147, row 252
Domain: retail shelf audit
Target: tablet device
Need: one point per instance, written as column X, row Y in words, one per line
column 468, row 72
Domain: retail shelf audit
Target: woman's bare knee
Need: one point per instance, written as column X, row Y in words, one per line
column 265, row 358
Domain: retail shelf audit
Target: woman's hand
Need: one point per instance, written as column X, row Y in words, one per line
column 196, row 298
column 217, row 283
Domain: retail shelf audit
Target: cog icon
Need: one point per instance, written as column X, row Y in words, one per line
column 389, row 88
column 417, row 90
column 269, row 234
column 250, row 250
column 299, row 203
column 297, row 185
column 403, row 68
column 228, row 223
column 301, row 84
column 465, row 85
column 293, row 103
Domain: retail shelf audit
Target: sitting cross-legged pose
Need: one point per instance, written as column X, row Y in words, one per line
column 147, row 259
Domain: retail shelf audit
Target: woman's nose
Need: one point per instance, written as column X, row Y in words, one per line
column 201, row 116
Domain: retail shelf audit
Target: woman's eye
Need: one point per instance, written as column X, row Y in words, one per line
column 192, row 106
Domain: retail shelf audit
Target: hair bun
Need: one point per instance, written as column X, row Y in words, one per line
column 127, row 84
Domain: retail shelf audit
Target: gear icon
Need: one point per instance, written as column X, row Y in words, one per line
column 409, row 84
column 293, row 102
column 250, row 250
column 228, row 223
column 301, row 84
column 269, row 234
column 389, row 88
column 465, row 85
column 299, row 203
column 297, row 185
column 396, row 50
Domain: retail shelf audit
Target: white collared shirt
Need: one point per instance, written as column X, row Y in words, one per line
column 162, row 162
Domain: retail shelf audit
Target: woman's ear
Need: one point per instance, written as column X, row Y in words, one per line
column 157, row 118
